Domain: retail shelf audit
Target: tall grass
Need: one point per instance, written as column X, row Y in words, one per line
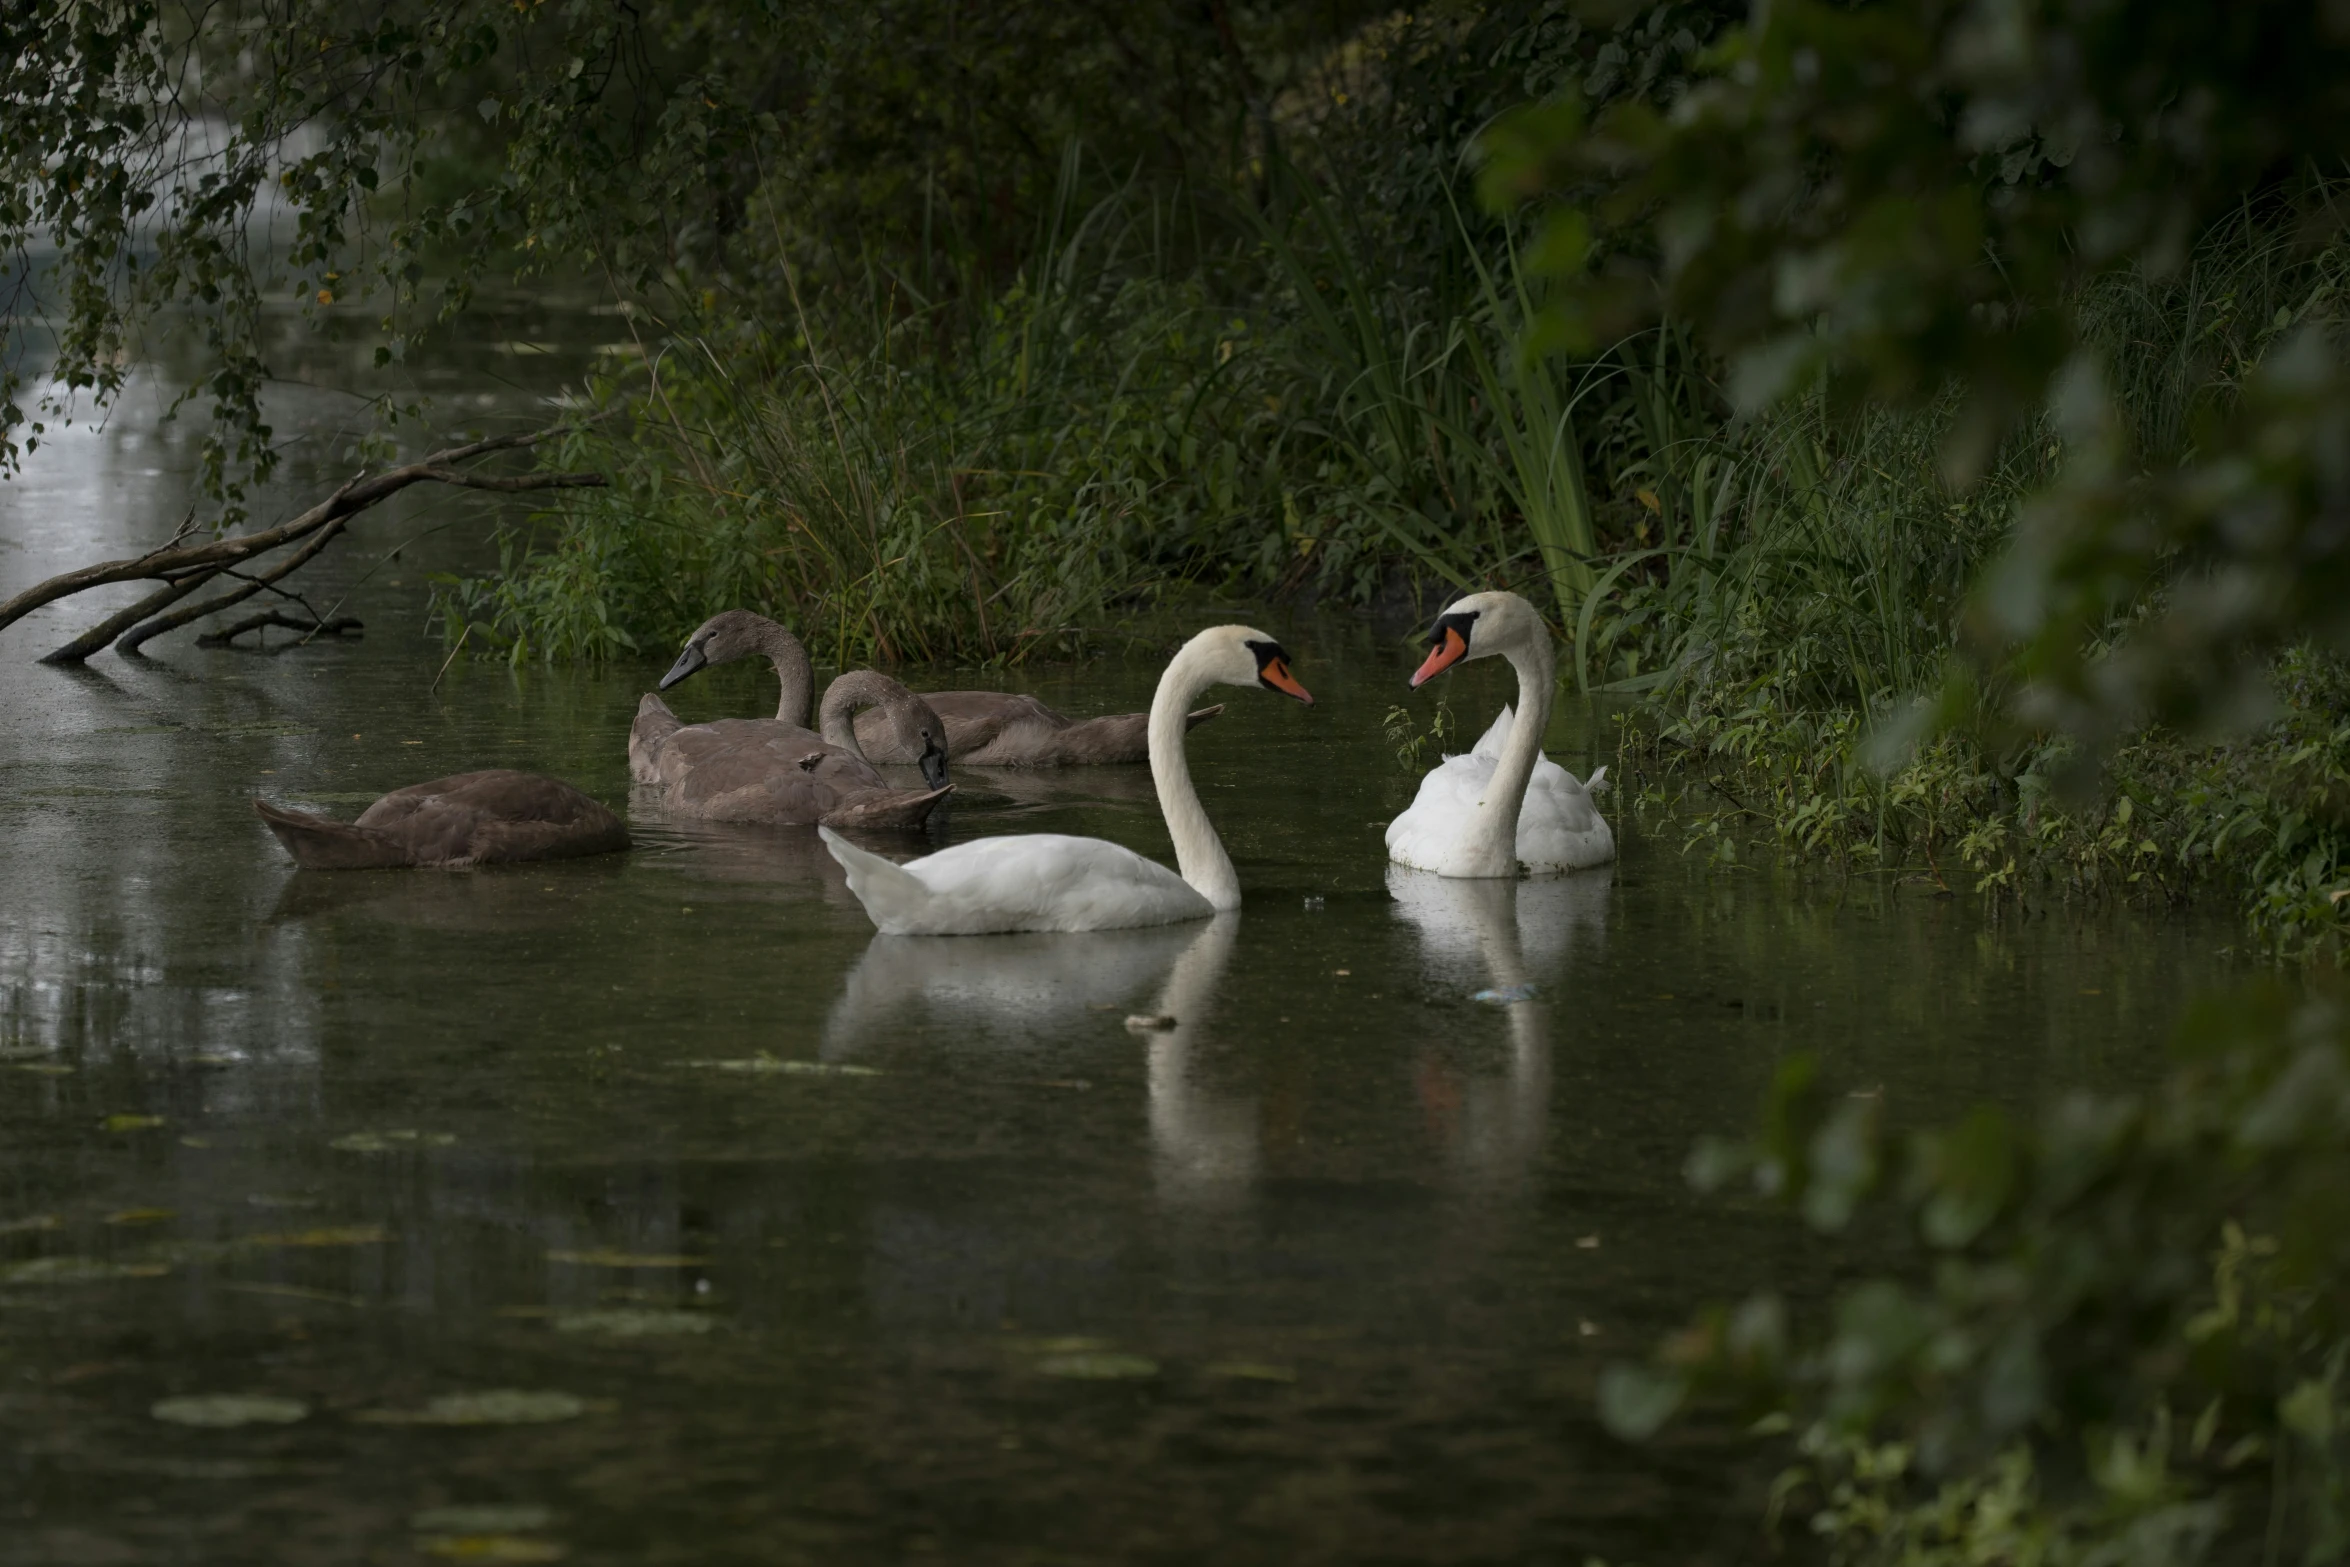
column 994, row 479
column 1805, row 576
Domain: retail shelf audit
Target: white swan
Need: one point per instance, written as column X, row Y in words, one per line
column 1049, row 881
column 1503, row 803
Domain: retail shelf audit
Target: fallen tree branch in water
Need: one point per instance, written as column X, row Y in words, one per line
column 339, row 626
column 183, row 568
column 132, row 640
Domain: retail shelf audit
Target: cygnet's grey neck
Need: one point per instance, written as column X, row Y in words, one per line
column 792, row 668
column 851, row 694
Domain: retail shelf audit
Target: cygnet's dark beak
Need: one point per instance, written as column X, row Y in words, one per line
column 934, row 763
column 688, row 661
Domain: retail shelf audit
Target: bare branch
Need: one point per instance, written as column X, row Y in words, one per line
column 114, row 625
column 139, row 636
column 189, row 566
column 339, row 626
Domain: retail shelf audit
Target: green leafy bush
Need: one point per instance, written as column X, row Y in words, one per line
column 2126, row 1339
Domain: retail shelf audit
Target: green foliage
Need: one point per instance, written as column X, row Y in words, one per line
column 1033, row 457
column 2029, row 317
column 218, row 160
column 1812, row 572
column 215, row 160
column 2264, row 818
column 1918, row 202
column 1417, row 749
column 2127, row 1343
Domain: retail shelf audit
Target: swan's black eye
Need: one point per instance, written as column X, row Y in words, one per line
column 1464, row 622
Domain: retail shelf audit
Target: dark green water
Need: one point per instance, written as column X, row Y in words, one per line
column 1325, row 1273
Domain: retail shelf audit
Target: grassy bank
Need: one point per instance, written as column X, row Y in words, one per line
column 1000, row 484
column 1817, row 575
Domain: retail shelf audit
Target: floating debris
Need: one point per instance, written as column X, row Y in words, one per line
column 634, row 1322
column 397, row 1141
column 38, row 1222
column 340, row 1235
column 517, row 1518
column 130, row 1123
column 78, row 1270
column 503, row 1406
column 1505, row 995
column 1099, row 1366
column 1315, row 905
column 296, row 1292
column 1587, row 1242
column 1150, row 1022
column 626, row 1259
column 1251, row 1371
column 130, row 1216
column 489, row 1548
column 223, row 1410
column 792, row 1068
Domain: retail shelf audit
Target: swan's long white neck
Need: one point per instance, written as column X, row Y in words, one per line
column 1199, row 853
column 1493, row 838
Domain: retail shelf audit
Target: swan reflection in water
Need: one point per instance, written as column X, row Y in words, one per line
column 1007, row 991
column 1000, row 990
column 1513, row 941
column 1207, row 1145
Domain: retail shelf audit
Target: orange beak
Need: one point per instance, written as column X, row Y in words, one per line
column 1443, row 658
column 1276, row 674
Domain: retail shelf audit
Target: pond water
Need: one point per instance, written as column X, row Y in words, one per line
column 651, row 1209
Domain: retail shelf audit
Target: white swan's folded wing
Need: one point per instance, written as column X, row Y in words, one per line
column 1441, row 813
column 1559, row 828
column 1497, row 735
column 1032, row 881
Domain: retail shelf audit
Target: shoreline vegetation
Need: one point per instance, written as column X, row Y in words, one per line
column 999, row 477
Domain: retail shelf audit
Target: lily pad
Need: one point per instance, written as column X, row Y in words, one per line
column 39, row 1221
column 626, row 1259
column 130, row 1123
column 493, row 1407
column 1251, row 1371
column 1099, row 1366
column 229, row 1409
column 631, row 1322
column 129, row 1216
column 398, row 1141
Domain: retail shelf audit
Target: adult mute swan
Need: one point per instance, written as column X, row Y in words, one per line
column 1503, row 803
column 1048, row 881
column 983, row 728
column 494, row 817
